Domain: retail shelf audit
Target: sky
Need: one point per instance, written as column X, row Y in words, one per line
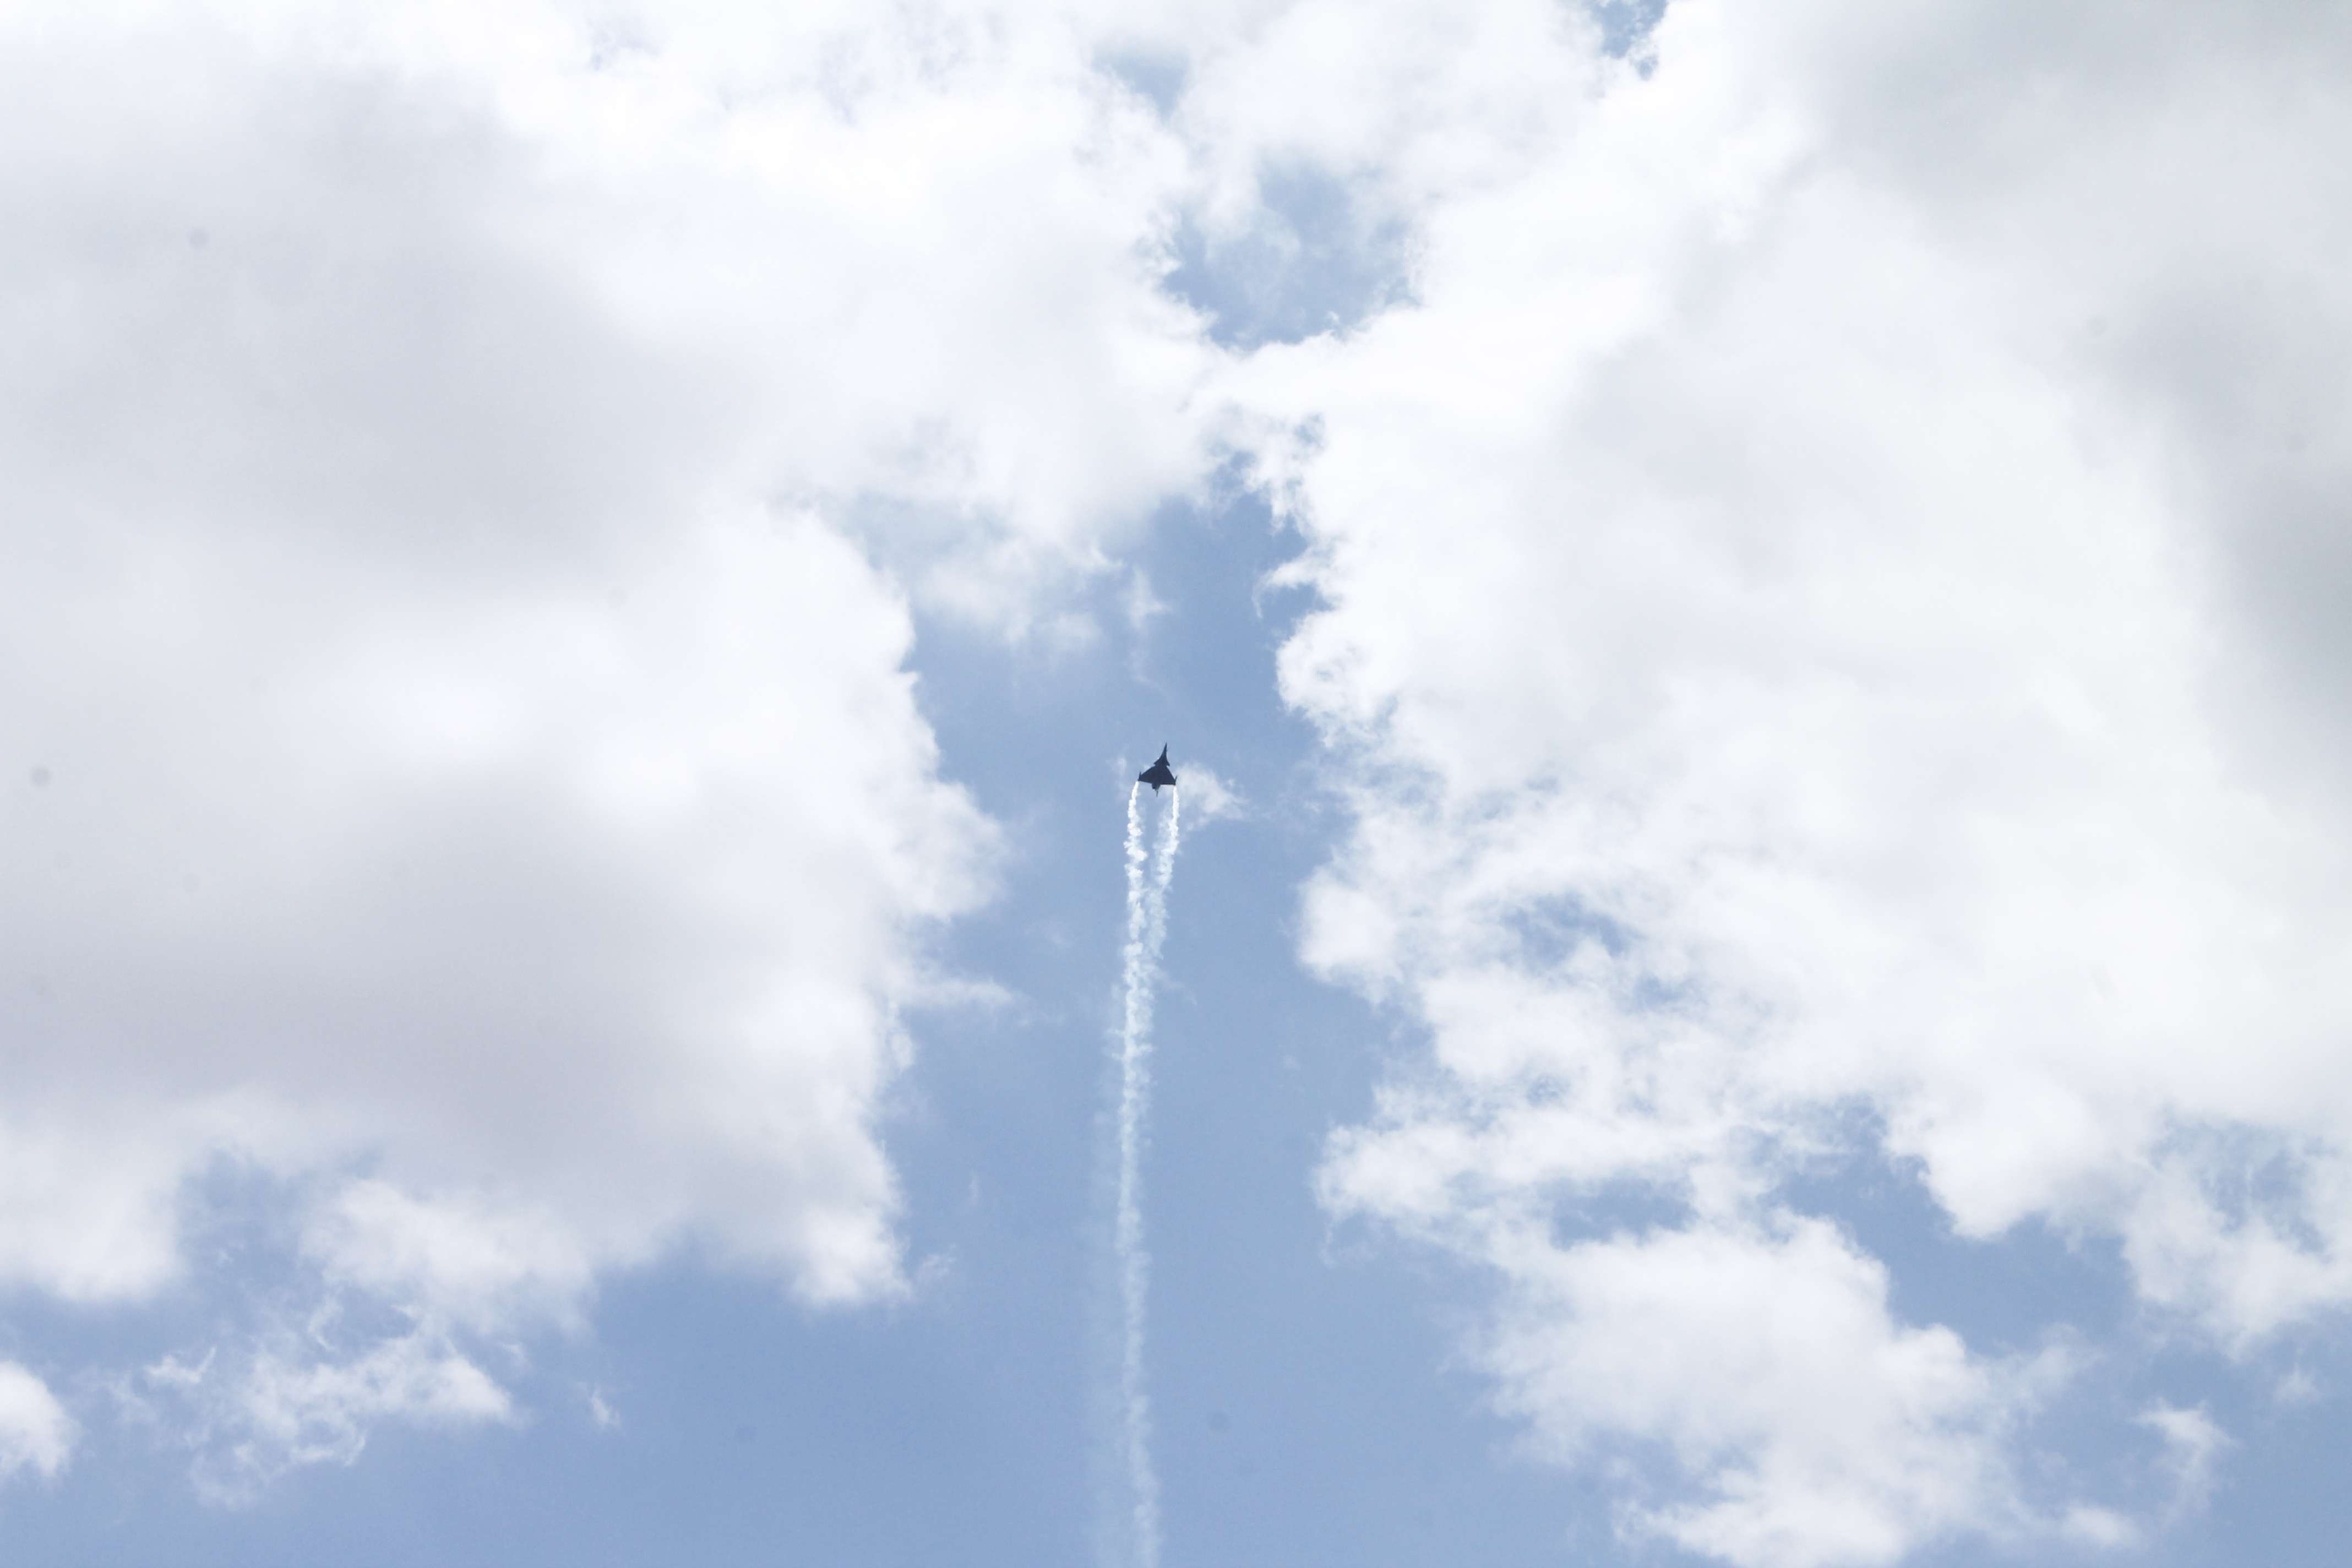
column 1746, row 600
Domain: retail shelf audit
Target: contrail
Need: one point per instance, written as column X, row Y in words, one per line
column 1147, row 924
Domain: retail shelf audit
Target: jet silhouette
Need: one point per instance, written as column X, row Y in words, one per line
column 1158, row 774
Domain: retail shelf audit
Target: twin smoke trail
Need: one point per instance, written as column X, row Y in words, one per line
column 1147, row 924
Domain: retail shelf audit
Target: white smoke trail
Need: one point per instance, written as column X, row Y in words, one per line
column 1162, row 874
column 1147, row 925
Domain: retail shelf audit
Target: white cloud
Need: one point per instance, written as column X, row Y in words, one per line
column 2087, row 1524
column 252, row 1412
column 465, row 472
column 2299, row 1387
column 479, row 1266
column 86, row 1212
column 585, row 923
column 1209, row 797
column 1139, row 605
column 1831, row 573
column 1824, row 583
column 2193, row 1446
column 1766, row 1366
column 36, row 1431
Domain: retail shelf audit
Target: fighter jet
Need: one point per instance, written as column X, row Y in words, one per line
column 1157, row 773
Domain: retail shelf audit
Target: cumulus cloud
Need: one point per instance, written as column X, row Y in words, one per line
column 466, row 473
column 36, row 1433
column 1827, row 567
column 582, row 923
column 1705, row 1341
column 1821, row 581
